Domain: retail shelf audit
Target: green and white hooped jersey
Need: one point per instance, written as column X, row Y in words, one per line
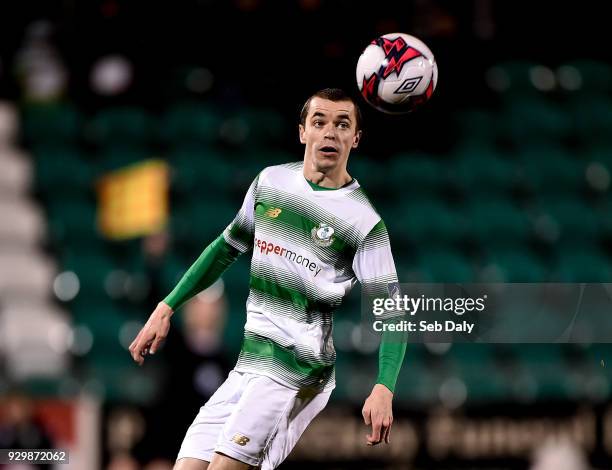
column 310, row 246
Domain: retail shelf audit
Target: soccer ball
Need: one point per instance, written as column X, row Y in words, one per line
column 396, row 73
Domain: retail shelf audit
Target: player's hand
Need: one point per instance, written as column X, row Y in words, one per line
column 378, row 412
column 152, row 334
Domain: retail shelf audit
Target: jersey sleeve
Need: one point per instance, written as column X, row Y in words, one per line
column 375, row 269
column 373, row 264
column 241, row 231
column 236, row 239
column 210, row 265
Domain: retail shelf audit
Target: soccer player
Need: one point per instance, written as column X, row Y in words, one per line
column 314, row 234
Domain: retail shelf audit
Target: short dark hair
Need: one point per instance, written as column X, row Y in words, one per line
column 332, row 94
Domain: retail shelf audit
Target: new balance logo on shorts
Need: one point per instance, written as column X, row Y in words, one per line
column 240, row 439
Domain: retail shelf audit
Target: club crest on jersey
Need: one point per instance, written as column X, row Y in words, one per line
column 323, row 234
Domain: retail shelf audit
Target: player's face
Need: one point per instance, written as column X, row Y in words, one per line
column 329, row 132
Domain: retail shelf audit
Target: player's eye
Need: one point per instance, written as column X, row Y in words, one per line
column 343, row 125
column 317, row 123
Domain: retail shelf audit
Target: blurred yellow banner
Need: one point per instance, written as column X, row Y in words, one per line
column 133, row 201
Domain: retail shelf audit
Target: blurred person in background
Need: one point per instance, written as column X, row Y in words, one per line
column 123, row 461
column 158, row 464
column 19, row 428
column 197, row 365
column 38, row 66
column 195, row 359
column 202, row 336
column 291, row 216
column 559, row 455
column 155, row 250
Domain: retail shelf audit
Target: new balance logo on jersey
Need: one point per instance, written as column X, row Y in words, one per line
column 240, row 439
column 273, row 212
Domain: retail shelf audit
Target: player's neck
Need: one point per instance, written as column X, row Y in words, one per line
column 332, row 179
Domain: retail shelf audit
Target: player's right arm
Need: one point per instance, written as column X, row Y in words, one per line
column 236, row 239
column 375, row 269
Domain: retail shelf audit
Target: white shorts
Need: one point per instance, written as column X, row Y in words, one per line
column 253, row 419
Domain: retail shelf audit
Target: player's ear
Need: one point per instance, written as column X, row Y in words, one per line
column 356, row 139
column 302, row 130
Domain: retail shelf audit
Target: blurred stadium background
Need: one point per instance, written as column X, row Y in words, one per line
column 129, row 132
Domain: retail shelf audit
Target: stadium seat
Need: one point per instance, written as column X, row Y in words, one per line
column 601, row 207
column 482, row 171
column 598, row 153
column 598, row 353
column 582, row 265
column 527, row 120
column 514, row 265
column 367, row 169
column 576, row 220
column 51, row 124
column 121, row 126
column 542, row 365
column 264, row 127
column 597, row 161
column 92, row 269
column 72, row 221
column 116, row 157
column 190, row 123
column 173, row 269
column 200, row 170
column 108, row 361
column 550, row 169
column 473, row 364
column 439, row 265
column 496, row 221
column 417, row 384
column 201, row 221
column 256, row 159
column 592, row 118
column 594, row 76
column 426, row 221
column 247, row 165
column 103, row 318
column 476, row 126
column 61, row 170
column 415, row 175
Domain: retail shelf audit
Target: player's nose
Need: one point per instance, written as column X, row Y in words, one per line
column 330, row 132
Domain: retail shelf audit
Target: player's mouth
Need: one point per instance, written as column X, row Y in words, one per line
column 328, row 150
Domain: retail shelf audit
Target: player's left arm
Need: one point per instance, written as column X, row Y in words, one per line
column 375, row 269
column 236, row 239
